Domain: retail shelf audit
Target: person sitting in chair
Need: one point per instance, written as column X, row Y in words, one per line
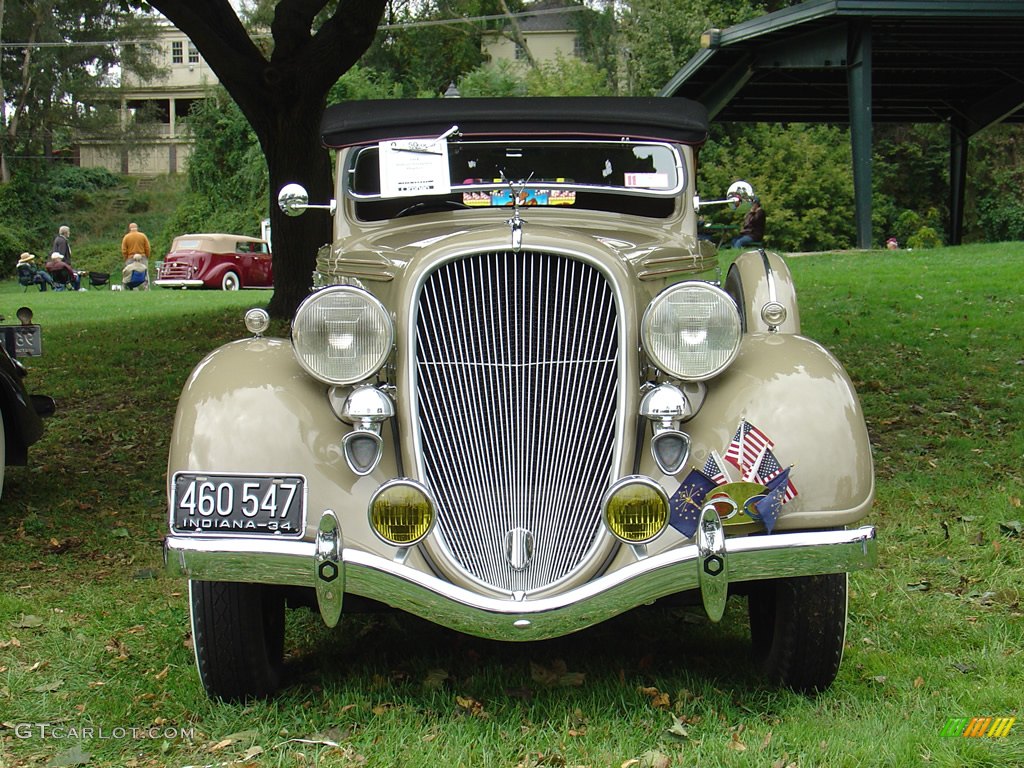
column 135, row 274
column 62, row 273
column 30, row 274
column 752, row 230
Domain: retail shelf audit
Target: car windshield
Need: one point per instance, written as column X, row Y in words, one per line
column 488, row 173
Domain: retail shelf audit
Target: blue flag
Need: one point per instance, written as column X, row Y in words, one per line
column 767, row 509
column 685, row 504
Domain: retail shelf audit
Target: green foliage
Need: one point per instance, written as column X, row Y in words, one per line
column 996, row 175
column 364, row 83
column 34, row 205
column 660, row 36
column 50, row 90
column 228, row 185
column 500, row 78
column 800, row 172
column 567, row 76
column 925, row 237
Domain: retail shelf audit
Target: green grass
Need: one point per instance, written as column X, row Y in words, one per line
column 92, row 634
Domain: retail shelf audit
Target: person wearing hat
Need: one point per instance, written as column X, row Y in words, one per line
column 752, row 230
column 30, row 274
column 56, row 266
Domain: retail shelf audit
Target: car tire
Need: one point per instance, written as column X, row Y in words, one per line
column 798, row 629
column 238, row 637
column 230, row 282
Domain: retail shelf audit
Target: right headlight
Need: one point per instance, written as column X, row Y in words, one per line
column 692, row 331
column 342, row 334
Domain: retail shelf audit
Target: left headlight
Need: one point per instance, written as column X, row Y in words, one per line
column 692, row 331
column 342, row 334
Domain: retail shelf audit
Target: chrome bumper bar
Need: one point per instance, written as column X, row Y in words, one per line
column 709, row 565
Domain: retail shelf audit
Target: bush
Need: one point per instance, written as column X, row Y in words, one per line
column 925, row 237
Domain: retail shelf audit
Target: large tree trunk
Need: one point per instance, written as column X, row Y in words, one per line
column 283, row 100
column 296, row 156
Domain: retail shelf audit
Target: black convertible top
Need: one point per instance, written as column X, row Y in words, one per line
column 365, row 122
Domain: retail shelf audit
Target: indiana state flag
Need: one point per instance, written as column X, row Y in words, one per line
column 685, row 504
column 767, row 509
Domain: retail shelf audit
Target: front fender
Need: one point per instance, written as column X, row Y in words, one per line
column 798, row 394
column 757, row 278
column 248, row 408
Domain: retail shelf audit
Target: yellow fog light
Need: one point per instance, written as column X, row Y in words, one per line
column 635, row 509
column 401, row 512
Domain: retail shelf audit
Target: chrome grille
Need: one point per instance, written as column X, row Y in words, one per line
column 516, row 366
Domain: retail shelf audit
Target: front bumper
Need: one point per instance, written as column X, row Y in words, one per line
column 709, row 564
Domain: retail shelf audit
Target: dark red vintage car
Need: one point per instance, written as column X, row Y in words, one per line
column 228, row 262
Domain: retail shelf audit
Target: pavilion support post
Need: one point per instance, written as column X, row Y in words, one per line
column 859, row 85
column 958, row 143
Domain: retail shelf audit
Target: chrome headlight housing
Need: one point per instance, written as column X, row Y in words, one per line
column 692, row 331
column 342, row 334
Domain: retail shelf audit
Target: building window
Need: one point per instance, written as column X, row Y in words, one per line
column 521, row 53
column 193, row 54
column 176, row 52
column 577, row 47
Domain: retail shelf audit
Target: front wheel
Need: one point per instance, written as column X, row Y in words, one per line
column 230, row 282
column 238, row 636
column 798, row 629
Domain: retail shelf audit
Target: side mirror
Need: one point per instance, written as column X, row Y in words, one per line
column 738, row 192
column 294, row 201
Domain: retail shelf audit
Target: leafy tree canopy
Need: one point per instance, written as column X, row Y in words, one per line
column 51, row 86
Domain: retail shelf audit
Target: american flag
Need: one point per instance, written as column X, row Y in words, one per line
column 767, row 469
column 714, row 470
column 746, row 447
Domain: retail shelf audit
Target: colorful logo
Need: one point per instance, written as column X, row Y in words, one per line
column 978, row 727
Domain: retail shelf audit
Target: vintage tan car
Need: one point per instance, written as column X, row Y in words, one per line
column 521, row 400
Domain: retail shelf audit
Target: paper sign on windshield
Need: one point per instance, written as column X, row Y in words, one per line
column 414, row 167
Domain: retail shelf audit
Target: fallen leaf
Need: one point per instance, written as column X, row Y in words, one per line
column 918, row 682
column 659, row 699
column 963, row 668
column 37, row 666
column 557, row 674
column 679, row 729
column 880, row 679
column 12, row 643
column 766, row 741
column 735, row 743
column 74, row 756
column 471, row 706
column 654, row 759
column 28, row 621
column 162, row 673
column 120, row 533
column 435, row 679
column 1012, row 527
column 56, row 685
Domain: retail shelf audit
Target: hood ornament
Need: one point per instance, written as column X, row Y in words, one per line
column 518, row 195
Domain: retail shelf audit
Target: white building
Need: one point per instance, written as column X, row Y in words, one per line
column 548, row 35
column 162, row 146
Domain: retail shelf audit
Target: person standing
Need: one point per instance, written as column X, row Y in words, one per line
column 135, row 251
column 62, row 244
column 752, row 230
column 135, row 243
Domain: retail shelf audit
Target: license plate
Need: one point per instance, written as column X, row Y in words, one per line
column 263, row 505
